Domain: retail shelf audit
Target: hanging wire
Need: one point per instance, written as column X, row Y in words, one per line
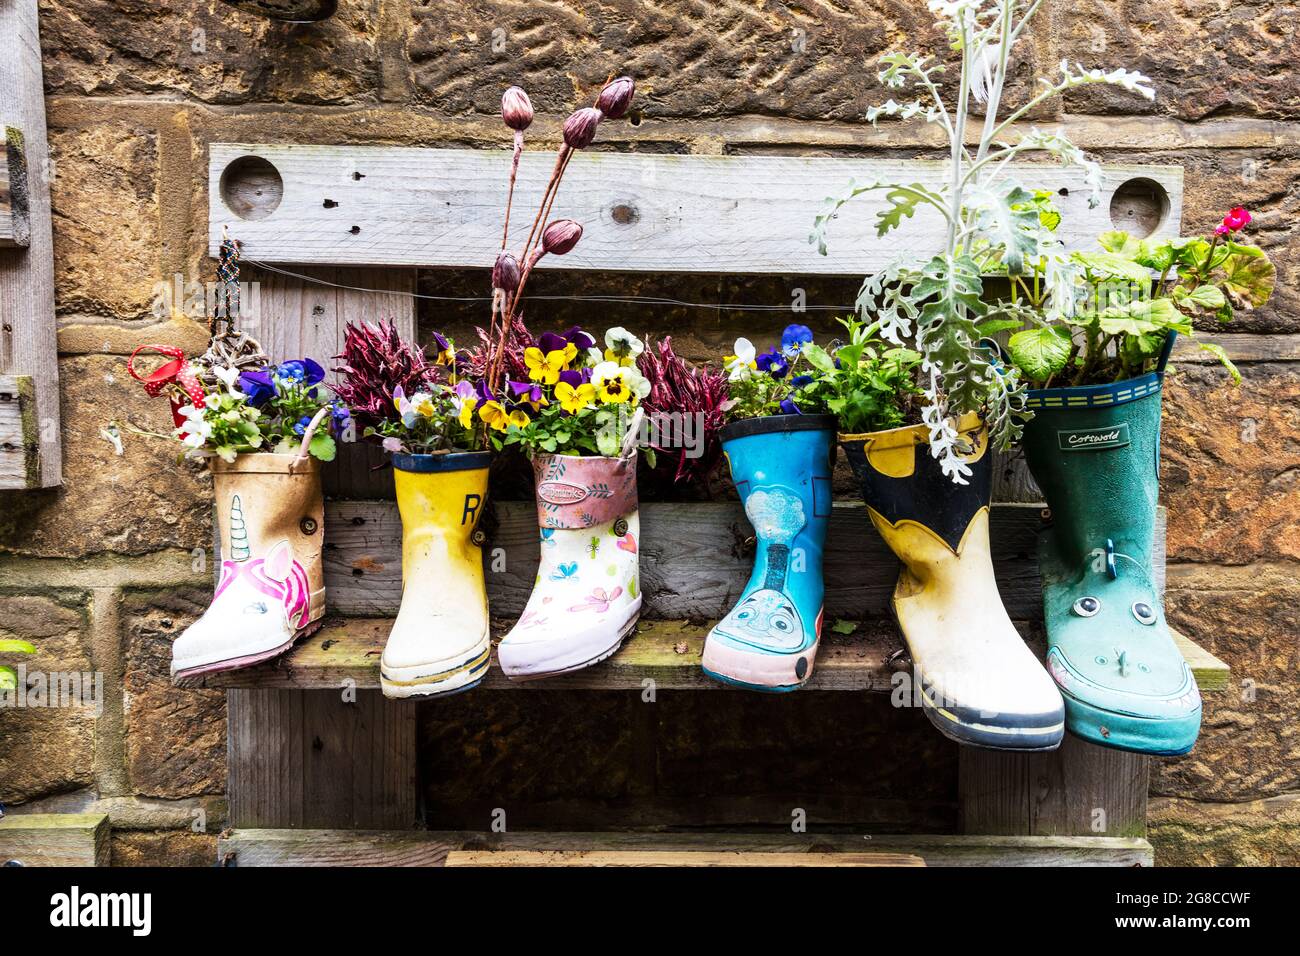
column 607, row 299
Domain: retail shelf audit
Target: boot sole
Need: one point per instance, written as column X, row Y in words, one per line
column 248, row 660
column 993, row 736
column 627, row 629
column 445, row 682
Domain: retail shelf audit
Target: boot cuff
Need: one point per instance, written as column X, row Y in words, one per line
column 1086, row 396
column 264, row 463
column 575, row 492
column 772, row 424
column 454, row 461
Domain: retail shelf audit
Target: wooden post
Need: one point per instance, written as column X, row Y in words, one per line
column 28, row 343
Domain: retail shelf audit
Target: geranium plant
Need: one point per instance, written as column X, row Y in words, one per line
column 269, row 409
column 402, row 399
column 989, row 222
column 1122, row 318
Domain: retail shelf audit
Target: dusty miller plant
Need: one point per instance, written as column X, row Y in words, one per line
column 992, row 223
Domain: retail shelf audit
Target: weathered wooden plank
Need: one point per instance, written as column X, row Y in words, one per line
column 345, row 652
column 27, row 328
column 695, row 559
column 1077, row 790
column 19, row 439
column 15, row 222
column 665, row 652
column 675, row 858
column 55, row 839
column 249, row 847
column 1242, row 347
column 386, row 205
column 292, row 318
column 317, row 760
column 1212, row 675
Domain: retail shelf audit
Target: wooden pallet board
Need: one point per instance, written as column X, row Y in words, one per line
column 345, row 652
column 673, row 858
column 408, row 206
column 251, row 847
column 55, row 839
column 695, row 559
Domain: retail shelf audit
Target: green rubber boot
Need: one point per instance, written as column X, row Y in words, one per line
column 1095, row 452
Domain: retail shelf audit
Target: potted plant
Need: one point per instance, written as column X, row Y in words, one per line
column 781, row 457
column 982, row 685
column 263, row 433
column 1093, row 446
column 424, row 414
column 575, row 411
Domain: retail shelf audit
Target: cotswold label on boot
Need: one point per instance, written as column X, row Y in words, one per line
column 1094, row 439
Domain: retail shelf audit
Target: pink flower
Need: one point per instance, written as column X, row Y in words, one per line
column 505, row 274
column 1236, row 220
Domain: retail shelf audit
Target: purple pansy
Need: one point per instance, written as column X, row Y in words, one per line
column 258, row 386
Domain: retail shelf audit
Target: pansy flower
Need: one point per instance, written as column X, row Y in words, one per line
column 622, row 346
column 580, row 340
column 773, row 363
column 496, row 415
column 545, row 367
column 574, row 398
column 465, row 398
column 788, row 407
column 302, row 372
column 742, row 364
column 794, row 338
column 258, row 386
column 443, row 354
column 528, row 393
column 615, row 384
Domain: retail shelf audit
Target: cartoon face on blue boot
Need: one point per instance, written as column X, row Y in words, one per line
column 1109, row 648
column 766, row 618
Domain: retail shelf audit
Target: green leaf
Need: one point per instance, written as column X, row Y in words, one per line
column 1218, row 352
column 1040, row 353
column 902, row 201
column 1143, row 316
column 1248, row 276
column 8, row 678
column 651, row 459
column 16, row 647
column 994, row 326
column 842, row 626
column 322, row 446
column 1113, row 265
column 1206, row 296
column 1008, row 219
column 1122, row 244
column 818, row 359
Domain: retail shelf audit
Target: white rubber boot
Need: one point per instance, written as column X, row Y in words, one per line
column 588, row 590
column 271, row 522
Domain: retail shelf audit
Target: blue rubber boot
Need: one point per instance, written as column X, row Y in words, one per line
column 781, row 465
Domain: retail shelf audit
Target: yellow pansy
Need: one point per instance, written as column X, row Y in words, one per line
column 547, row 368
column 495, row 414
column 466, row 415
column 574, row 400
column 616, row 383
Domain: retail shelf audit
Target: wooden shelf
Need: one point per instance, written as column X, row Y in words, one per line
column 55, row 839
column 667, row 652
column 251, row 847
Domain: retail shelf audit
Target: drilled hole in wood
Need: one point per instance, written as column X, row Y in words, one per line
column 331, row 204
column 1139, row 207
column 358, row 176
column 251, row 188
column 624, row 214
column 355, row 230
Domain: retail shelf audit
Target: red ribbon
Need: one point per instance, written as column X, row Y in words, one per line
column 177, row 372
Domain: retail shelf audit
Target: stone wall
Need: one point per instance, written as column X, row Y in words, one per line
column 101, row 572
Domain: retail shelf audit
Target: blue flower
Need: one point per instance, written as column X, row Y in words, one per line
column 299, row 372
column 788, row 407
column 794, row 338
column 339, row 418
column 301, row 425
column 257, row 386
column 773, row 363
column 799, row 381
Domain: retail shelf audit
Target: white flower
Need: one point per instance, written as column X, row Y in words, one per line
column 622, row 346
column 616, row 383
column 229, row 377
column 741, row 365
column 392, row 444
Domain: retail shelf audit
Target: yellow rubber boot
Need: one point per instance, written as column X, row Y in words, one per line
column 439, row 643
column 979, row 683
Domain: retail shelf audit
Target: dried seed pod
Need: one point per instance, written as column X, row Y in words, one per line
column 561, row 236
column 505, row 273
column 616, row 97
column 516, row 109
column 580, row 128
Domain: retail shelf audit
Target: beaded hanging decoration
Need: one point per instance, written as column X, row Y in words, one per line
column 230, row 347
